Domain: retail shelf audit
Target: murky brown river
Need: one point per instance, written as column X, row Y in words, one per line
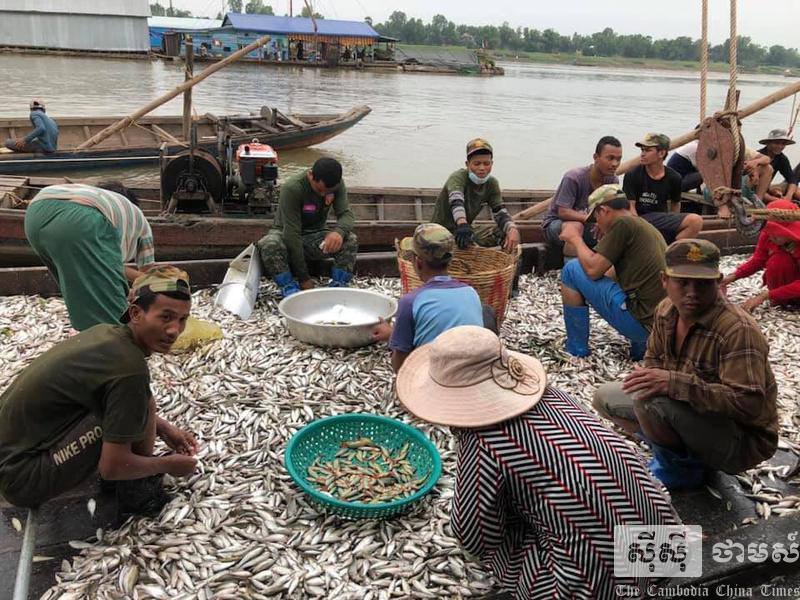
column 541, row 119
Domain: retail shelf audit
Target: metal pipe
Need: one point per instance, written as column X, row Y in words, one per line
column 23, row 580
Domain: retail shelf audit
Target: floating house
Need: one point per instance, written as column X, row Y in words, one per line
column 158, row 26
column 291, row 38
column 75, row 25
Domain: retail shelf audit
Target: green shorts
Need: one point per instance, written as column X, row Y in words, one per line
column 34, row 478
column 720, row 442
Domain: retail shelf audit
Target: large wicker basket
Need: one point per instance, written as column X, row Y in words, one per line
column 488, row 270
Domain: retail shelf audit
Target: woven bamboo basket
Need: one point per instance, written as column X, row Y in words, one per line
column 490, row 271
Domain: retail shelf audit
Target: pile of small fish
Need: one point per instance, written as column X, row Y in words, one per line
column 366, row 472
column 239, row 527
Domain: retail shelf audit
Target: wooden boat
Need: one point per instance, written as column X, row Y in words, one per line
column 382, row 215
column 141, row 143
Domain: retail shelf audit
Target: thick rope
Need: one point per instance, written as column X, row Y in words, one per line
column 704, row 61
column 732, row 72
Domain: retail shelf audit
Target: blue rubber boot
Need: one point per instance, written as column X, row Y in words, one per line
column 340, row 277
column 676, row 471
column 637, row 349
column 286, row 283
column 576, row 320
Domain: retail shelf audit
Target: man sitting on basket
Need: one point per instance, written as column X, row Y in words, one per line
column 464, row 195
column 540, row 482
column 633, row 250
column 706, row 397
column 441, row 303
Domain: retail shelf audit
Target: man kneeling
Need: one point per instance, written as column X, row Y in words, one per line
column 441, row 303
column 706, row 397
column 85, row 405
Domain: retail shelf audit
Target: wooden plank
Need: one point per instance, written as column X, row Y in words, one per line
column 294, row 121
column 209, row 273
column 87, row 132
column 418, row 208
column 165, row 135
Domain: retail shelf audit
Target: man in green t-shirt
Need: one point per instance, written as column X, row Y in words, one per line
column 85, row 406
column 464, row 195
column 301, row 232
column 632, row 250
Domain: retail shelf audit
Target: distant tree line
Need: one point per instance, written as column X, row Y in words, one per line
column 441, row 31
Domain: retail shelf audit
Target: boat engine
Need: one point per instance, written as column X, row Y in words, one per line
column 253, row 176
column 192, row 181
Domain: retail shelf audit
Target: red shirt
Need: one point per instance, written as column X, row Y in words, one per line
column 764, row 249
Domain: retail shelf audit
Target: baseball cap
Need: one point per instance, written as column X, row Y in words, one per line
column 478, row 144
column 654, row 140
column 36, row 103
column 430, row 241
column 603, row 195
column 165, row 278
column 692, row 258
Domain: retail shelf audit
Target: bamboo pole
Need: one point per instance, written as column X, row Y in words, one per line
column 685, row 138
column 187, row 95
column 127, row 121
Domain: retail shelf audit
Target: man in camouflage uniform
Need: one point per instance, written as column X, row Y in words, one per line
column 301, row 232
column 464, row 195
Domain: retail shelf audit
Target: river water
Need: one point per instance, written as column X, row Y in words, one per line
column 541, row 119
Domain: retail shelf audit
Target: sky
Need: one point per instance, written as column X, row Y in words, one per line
column 767, row 22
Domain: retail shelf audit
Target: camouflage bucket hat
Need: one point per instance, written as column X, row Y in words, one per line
column 603, row 195
column 158, row 279
column 655, row 140
column 693, row 259
column 430, row 242
column 477, row 145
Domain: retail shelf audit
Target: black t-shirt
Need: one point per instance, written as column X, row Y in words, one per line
column 797, row 174
column 780, row 164
column 652, row 195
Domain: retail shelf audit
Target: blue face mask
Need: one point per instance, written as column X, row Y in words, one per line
column 477, row 180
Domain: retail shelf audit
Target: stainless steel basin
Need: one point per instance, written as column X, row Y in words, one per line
column 340, row 317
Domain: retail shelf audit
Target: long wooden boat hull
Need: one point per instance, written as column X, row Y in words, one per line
column 140, row 144
column 382, row 216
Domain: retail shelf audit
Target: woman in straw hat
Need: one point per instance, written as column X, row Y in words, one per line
column 540, row 482
column 778, row 254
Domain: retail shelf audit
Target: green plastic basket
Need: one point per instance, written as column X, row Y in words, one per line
column 324, row 437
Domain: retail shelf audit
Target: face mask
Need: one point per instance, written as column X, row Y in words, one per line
column 477, row 180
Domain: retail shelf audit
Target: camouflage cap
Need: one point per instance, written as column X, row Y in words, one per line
column 655, row 140
column 431, row 241
column 477, row 145
column 165, row 278
column 693, row 258
column 603, row 195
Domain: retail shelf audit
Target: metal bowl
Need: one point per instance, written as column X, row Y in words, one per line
column 339, row 317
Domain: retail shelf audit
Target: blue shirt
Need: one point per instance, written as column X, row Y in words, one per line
column 45, row 131
column 440, row 304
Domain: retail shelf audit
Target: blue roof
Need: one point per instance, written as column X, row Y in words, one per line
column 298, row 25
